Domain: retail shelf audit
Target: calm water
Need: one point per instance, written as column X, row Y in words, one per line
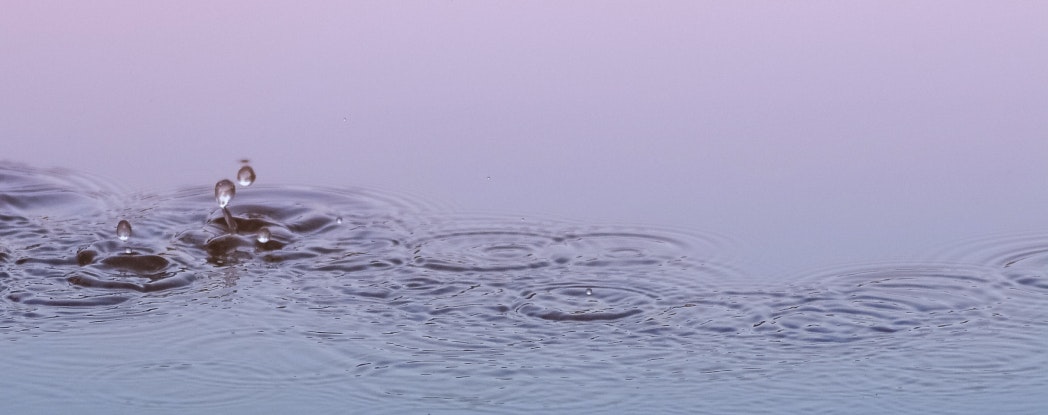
column 369, row 300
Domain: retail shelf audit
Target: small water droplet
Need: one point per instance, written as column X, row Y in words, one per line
column 224, row 192
column 246, row 175
column 589, row 291
column 263, row 235
column 127, row 251
column 338, row 220
column 123, row 230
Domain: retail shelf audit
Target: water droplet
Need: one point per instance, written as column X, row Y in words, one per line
column 246, row 176
column 127, row 251
column 589, row 291
column 224, row 192
column 338, row 220
column 123, row 230
column 263, row 235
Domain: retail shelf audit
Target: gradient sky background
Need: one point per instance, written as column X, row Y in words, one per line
column 813, row 133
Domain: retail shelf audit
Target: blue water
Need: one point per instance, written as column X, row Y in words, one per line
column 366, row 300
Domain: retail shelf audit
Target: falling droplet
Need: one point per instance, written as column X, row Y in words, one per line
column 338, row 220
column 589, row 291
column 263, row 235
column 224, row 192
column 246, row 175
column 123, row 230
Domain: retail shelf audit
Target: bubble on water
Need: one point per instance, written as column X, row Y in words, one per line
column 246, row 175
column 123, row 230
column 338, row 220
column 224, row 192
column 589, row 291
column 263, row 235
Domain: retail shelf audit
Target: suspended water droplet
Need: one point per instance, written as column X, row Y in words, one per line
column 338, row 220
column 589, row 291
column 246, row 175
column 224, row 192
column 123, row 230
column 263, row 235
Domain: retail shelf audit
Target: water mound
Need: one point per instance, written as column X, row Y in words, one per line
column 584, row 303
column 137, row 264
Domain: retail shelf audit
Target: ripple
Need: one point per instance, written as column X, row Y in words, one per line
column 583, row 303
column 611, row 247
column 303, row 223
column 470, row 244
column 53, row 192
column 75, row 263
column 483, row 250
column 216, row 368
column 1029, row 250
column 362, row 297
column 1024, row 257
column 870, row 302
column 174, row 383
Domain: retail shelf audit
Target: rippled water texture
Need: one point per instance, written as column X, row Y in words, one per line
column 367, row 300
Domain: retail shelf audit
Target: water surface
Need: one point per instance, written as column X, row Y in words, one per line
column 385, row 303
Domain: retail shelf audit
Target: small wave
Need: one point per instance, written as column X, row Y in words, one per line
column 348, row 284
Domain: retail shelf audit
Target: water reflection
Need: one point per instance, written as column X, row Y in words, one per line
column 363, row 297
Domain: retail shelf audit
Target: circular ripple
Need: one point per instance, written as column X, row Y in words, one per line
column 1023, row 257
column 857, row 303
column 461, row 244
column 1028, row 250
column 311, row 229
column 604, row 247
column 53, row 192
column 569, row 302
column 483, row 250
column 401, row 296
column 75, row 262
